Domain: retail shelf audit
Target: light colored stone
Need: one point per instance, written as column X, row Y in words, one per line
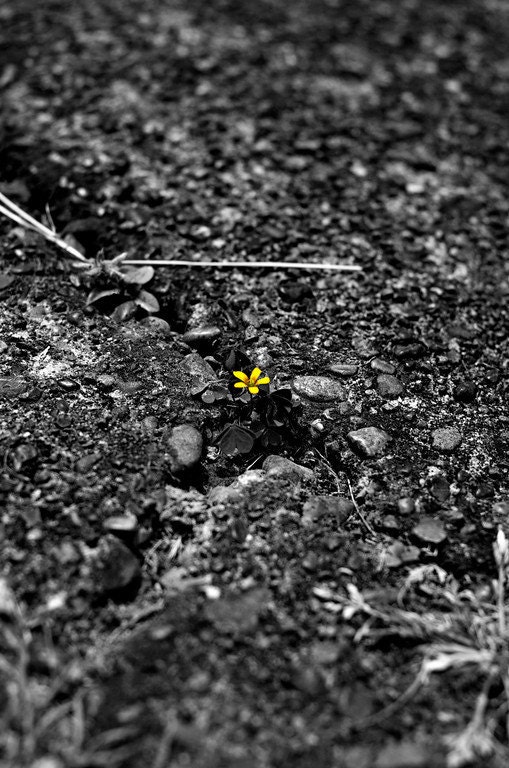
column 184, row 446
column 430, row 531
column 319, row 388
column 201, row 374
column 343, row 369
column 280, row 467
column 368, row 441
column 446, row 439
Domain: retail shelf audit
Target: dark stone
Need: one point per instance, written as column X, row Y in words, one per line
column 389, row 386
column 465, row 392
column 11, row 386
column 198, row 336
column 237, row 614
column 410, row 351
column 68, row 385
column 316, row 507
column 440, row 489
column 118, row 568
column 87, row 462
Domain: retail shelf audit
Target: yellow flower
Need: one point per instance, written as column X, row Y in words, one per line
column 251, row 382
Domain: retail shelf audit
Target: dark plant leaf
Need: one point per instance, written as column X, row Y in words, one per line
column 236, row 439
column 214, row 393
column 237, row 360
column 124, row 312
column 283, row 397
column 279, row 407
column 147, row 301
column 97, row 294
column 271, row 437
column 137, row 276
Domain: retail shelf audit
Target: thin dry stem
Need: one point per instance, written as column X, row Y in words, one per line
column 243, row 264
column 357, row 509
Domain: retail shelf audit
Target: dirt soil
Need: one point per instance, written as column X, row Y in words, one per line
column 234, row 613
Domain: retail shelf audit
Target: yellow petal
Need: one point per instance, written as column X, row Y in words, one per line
column 242, row 376
column 263, row 380
column 240, row 385
column 254, row 375
column 254, row 390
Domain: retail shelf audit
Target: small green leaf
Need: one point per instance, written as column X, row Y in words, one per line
column 138, row 276
column 97, row 295
column 124, row 311
column 147, row 301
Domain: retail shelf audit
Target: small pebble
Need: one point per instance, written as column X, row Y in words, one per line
column 85, row 463
column 280, row 467
column 382, row 366
column 364, row 346
column 430, row 531
column 440, row 489
column 389, row 386
column 465, row 392
column 11, row 386
column 68, row 385
column 118, row 568
column 198, row 336
column 368, row 441
column 316, row 507
column 501, row 508
column 185, row 448
column 389, row 523
column 344, row 370
column 446, row 439
column 318, row 388
column 156, row 325
column 123, row 526
column 310, row 562
column 199, row 371
column 406, row 505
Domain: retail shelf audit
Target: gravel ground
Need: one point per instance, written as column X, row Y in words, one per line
column 334, row 599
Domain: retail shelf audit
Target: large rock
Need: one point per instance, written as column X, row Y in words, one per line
column 184, row 446
column 368, row 441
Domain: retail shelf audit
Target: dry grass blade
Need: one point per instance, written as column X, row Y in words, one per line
column 12, row 211
column 19, row 216
column 244, row 264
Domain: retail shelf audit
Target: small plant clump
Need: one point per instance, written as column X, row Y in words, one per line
column 259, row 412
column 113, row 281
